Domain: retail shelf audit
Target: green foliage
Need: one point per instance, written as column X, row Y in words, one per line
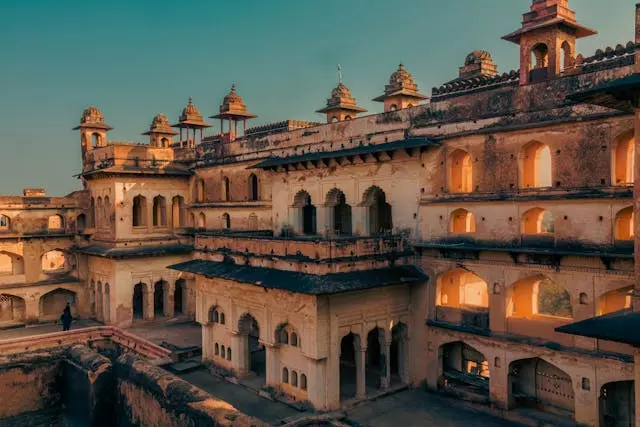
column 553, row 300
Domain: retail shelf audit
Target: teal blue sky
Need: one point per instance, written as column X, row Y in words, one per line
column 134, row 59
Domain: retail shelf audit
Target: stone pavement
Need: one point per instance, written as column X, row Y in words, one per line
column 417, row 408
column 179, row 334
column 44, row 328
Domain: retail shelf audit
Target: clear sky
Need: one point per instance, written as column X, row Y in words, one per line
column 136, row 58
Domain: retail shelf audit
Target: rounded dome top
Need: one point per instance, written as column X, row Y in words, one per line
column 476, row 56
column 341, row 91
column 232, row 97
column 190, row 109
column 160, row 121
column 91, row 115
column 400, row 76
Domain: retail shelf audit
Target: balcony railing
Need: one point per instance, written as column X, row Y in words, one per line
column 467, row 317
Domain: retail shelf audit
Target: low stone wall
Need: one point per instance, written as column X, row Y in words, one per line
column 148, row 395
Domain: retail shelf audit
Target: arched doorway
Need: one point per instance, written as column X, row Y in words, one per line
column 464, row 371
column 179, row 297
column 535, row 383
column 138, row 300
column 12, row 308
column 349, row 348
column 617, row 404
column 398, row 354
column 375, row 360
column 254, row 351
column 158, row 298
column 52, row 303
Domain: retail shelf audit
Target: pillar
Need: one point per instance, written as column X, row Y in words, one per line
column 295, row 219
column 272, row 364
column 169, row 293
column 360, row 353
column 324, row 224
column 499, row 382
column 361, row 220
column 240, row 354
column 385, row 375
column 31, row 310
column 147, row 304
column 403, row 368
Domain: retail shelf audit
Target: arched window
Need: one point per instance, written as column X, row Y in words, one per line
column 216, row 316
column 139, row 211
column 623, row 161
column 347, row 117
column 217, row 349
column 303, row 382
column 96, row 140
column 460, row 172
column 164, row 143
column 5, row 223
column 305, row 213
column 55, row 222
column 253, row 187
column 537, row 221
column 99, row 214
column 539, row 63
column 81, row 222
column 159, row 211
column 393, row 107
column 566, row 56
column 535, row 165
column 200, row 190
column 202, row 221
column 222, row 320
column 624, row 224
column 294, row 339
column 229, row 353
column 223, row 352
column 615, row 300
column 225, row 189
column 341, row 212
column 460, row 288
column 226, row 221
column 462, row 221
column 192, row 220
column 282, row 336
column 106, row 215
column 93, row 212
column 538, row 295
column 379, row 211
column 54, row 261
column 285, row 375
column 294, row 378
column 177, row 211
column 334, row 119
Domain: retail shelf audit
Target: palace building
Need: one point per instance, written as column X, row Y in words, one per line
column 441, row 242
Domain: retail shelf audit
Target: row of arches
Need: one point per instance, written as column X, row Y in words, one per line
column 13, row 309
column 53, row 262
column 158, row 212
column 224, row 353
column 533, row 383
column 159, row 300
column 376, row 213
column 293, row 379
column 55, row 223
column 253, row 189
column 539, row 221
column 536, row 295
column 535, row 166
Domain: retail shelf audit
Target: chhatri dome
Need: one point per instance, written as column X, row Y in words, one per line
column 341, row 105
column 160, row 124
column 191, row 117
column 401, row 92
column 233, row 110
column 92, row 117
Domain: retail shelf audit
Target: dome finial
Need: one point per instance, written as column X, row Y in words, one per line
column 190, row 100
column 339, row 74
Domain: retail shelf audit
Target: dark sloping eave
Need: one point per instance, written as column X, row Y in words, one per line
column 621, row 326
column 620, row 94
column 132, row 252
column 406, row 144
column 304, row 283
column 580, row 30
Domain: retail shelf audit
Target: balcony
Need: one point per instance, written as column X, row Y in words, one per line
column 467, row 317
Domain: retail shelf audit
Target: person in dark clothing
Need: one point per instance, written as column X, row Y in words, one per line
column 66, row 318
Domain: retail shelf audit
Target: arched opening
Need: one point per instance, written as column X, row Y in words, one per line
column 96, row 140
column 535, row 165
column 159, row 290
column 539, row 63
column 623, row 159
column 106, row 214
column 624, row 228
column 305, row 213
column 340, row 221
column 177, row 212
column 55, row 262
column 99, row 214
column 225, row 189
column 55, row 223
column 139, row 211
column 200, row 190
column 52, row 303
column 379, row 211
column 254, row 359
column 333, row 119
column 179, row 297
column 464, row 370
column 11, row 264
column 537, row 221
column 192, row 220
column 93, row 212
column 393, row 107
column 282, row 335
column 617, row 404
column 347, row 117
column 138, row 300
column 615, row 300
column 375, row 359
column 462, row 298
column 398, row 354
column 253, row 187
column 462, row 221
column 5, row 223
column 566, row 56
column 164, row 142
column 460, row 172
column 285, row 375
column 159, row 211
column 202, row 221
column 92, row 298
column 226, row 221
column 349, row 365
column 216, row 315
column 12, row 309
column 537, row 384
column 107, row 303
column 99, row 299
column 538, row 296
column 81, row 223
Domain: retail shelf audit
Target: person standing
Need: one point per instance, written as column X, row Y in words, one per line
column 66, row 318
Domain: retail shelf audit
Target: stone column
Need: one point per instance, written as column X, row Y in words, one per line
column 240, row 354
column 147, row 302
column 324, row 224
column 499, row 384
column 403, row 348
column 169, row 300
column 295, row 219
column 361, row 220
column 360, row 353
column 31, row 310
column 385, row 358
column 272, row 364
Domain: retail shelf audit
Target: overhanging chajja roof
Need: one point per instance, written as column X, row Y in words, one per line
column 304, row 283
column 621, row 326
column 620, row 94
column 349, row 153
